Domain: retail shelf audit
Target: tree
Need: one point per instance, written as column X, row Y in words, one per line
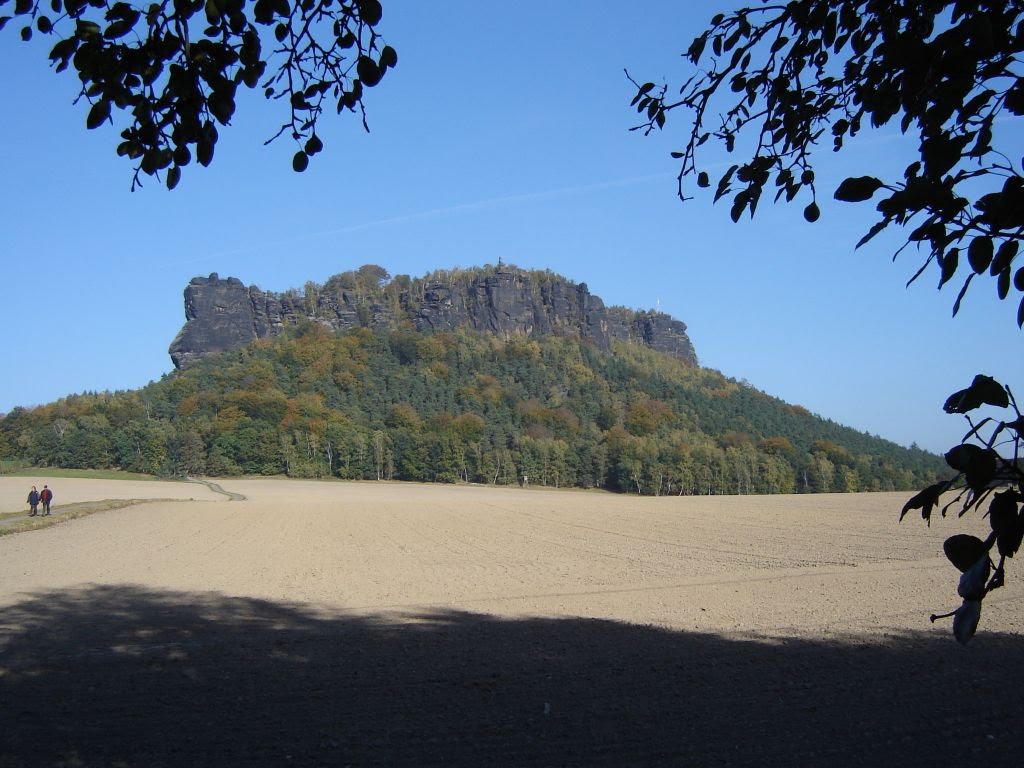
column 784, row 77
column 171, row 70
column 780, row 79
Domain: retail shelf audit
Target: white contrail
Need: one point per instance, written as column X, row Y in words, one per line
column 434, row 213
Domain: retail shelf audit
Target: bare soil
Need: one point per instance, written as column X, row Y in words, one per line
column 328, row 623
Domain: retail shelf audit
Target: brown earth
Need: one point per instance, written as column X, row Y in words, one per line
column 327, row 623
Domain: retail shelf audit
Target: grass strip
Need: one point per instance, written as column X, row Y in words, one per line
column 19, row 522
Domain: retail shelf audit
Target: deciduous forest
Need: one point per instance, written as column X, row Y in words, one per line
column 463, row 407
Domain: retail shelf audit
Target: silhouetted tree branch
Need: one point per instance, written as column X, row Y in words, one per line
column 775, row 81
column 174, row 68
column 783, row 78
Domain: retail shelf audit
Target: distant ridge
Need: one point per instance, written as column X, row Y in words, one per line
column 503, row 300
column 488, row 376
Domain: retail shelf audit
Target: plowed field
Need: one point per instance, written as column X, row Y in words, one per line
column 328, row 623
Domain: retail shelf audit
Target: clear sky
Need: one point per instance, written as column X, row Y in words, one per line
column 503, row 133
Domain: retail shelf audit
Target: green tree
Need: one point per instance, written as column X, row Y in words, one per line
column 187, row 453
column 778, row 80
column 141, row 446
column 170, row 72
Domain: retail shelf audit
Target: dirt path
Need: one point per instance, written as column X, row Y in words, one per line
column 318, row 623
column 216, row 488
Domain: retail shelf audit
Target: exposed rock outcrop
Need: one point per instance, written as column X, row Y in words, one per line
column 222, row 314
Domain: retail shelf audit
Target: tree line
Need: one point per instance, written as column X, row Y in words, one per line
column 462, row 407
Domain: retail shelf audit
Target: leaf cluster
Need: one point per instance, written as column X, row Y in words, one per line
column 779, row 80
column 988, row 467
column 172, row 69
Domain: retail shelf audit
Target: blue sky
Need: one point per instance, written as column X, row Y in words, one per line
column 503, row 133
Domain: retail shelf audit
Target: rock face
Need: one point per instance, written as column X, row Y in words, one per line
column 222, row 314
column 219, row 315
column 506, row 304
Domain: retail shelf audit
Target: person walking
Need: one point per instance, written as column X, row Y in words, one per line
column 46, row 496
column 33, row 502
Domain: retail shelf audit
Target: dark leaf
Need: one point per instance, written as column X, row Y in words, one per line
column 1004, row 257
column 1003, row 284
column 368, row 71
column 213, row 11
column 370, row 11
column 182, row 155
column 313, row 145
column 964, row 550
column 857, row 189
column 173, row 177
column 960, row 456
column 984, row 390
column 99, row 114
column 388, row 57
column 982, row 470
column 120, row 28
column 875, row 229
column 204, row 147
column 739, row 203
column 222, row 106
column 263, row 12
column 723, row 183
column 949, row 262
column 697, row 48
column 150, row 162
column 926, row 500
column 1006, row 523
column 963, row 292
column 979, row 254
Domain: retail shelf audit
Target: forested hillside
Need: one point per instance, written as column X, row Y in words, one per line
column 462, row 406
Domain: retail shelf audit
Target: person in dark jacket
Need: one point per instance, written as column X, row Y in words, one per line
column 33, row 502
column 46, row 496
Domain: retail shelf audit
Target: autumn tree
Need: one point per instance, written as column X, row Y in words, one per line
column 169, row 72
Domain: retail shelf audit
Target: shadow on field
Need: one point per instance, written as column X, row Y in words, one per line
column 129, row 677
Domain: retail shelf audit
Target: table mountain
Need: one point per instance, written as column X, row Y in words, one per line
column 224, row 313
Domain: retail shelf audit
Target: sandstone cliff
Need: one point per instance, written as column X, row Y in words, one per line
column 222, row 314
